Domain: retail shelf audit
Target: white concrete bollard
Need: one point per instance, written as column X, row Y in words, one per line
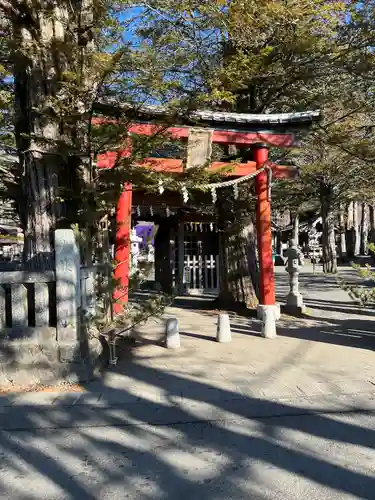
column 223, row 333
column 172, row 334
column 268, row 315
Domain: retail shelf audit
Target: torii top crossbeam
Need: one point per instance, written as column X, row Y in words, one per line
column 279, row 130
column 276, row 129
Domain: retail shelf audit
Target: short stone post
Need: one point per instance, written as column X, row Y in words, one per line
column 172, row 334
column 268, row 315
column 223, row 333
column 294, row 303
column 67, row 293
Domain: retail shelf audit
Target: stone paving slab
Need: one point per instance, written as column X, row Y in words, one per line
column 184, row 411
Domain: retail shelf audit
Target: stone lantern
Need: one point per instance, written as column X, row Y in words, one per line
column 294, row 256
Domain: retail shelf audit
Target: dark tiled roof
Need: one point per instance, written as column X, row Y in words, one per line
column 254, row 119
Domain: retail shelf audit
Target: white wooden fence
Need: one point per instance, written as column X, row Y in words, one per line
column 201, row 273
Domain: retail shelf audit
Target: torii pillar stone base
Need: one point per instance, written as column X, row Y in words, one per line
column 268, row 315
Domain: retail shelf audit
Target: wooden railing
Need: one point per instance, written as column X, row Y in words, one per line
column 202, row 272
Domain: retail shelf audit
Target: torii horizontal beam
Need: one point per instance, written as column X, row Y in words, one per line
column 219, row 136
column 173, row 166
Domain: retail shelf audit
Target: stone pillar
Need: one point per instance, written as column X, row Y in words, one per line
column 294, row 303
column 67, row 285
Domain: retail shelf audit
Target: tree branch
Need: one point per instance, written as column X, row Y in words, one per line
column 7, row 7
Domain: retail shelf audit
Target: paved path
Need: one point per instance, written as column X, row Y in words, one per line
column 288, row 418
column 331, row 352
column 312, row 457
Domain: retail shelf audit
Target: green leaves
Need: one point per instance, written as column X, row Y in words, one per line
column 359, row 293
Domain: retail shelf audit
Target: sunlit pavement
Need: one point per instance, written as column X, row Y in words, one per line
column 328, row 455
column 288, row 418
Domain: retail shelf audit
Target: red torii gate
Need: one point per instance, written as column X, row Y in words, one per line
column 244, row 130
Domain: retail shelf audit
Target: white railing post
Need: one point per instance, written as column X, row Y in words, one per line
column 206, row 285
column 212, row 270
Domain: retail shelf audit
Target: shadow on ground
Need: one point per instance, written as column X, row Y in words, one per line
column 173, row 451
column 184, row 438
column 356, row 333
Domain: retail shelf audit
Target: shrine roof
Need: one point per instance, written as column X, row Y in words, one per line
column 221, row 118
column 263, row 119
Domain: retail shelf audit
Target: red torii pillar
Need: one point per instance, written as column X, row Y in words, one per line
column 268, row 310
column 123, row 245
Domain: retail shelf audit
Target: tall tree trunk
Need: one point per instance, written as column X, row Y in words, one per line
column 238, row 266
column 278, row 243
column 350, row 230
column 372, row 223
column 364, row 229
column 296, row 229
column 342, row 226
column 328, row 222
column 39, row 186
column 36, row 130
column 238, row 262
column 356, row 228
column 350, row 215
column 46, row 45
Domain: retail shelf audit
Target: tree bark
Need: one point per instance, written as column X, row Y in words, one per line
column 278, row 243
column 350, row 215
column 237, row 259
column 350, row 230
column 296, row 229
column 45, row 45
column 238, row 266
column 365, row 229
column 328, row 222
column 343, row 251
column 39, row 185
column 357, row 231
column 38, row 164
column 372, row 223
